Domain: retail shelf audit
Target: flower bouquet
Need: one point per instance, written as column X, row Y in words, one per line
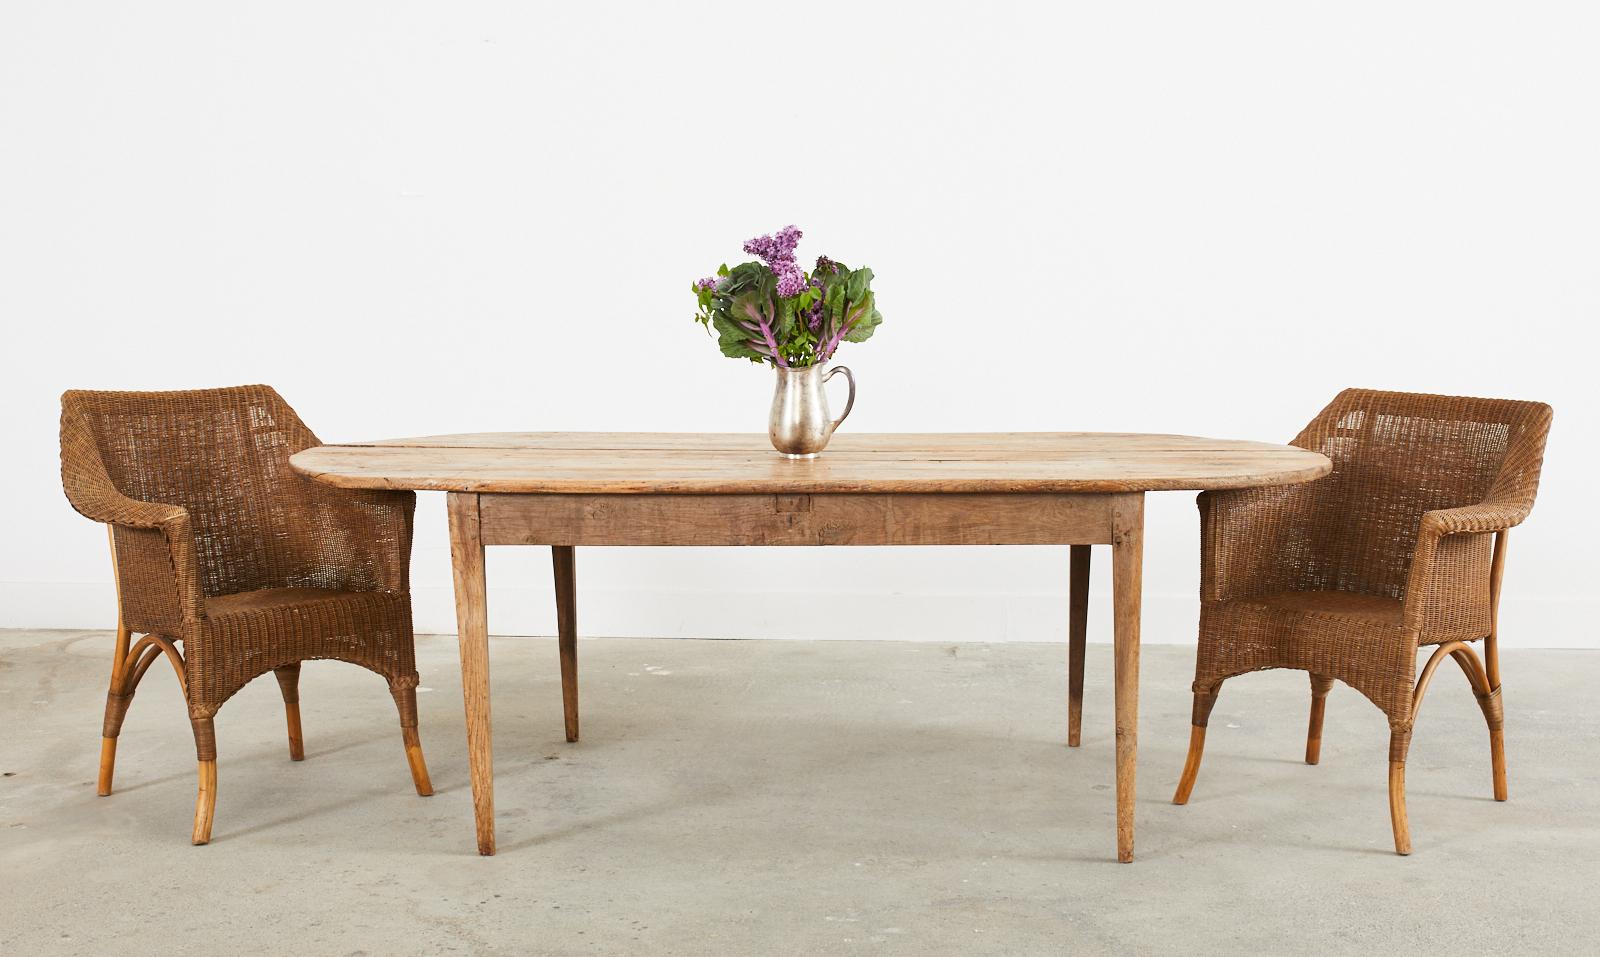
column 773, row 312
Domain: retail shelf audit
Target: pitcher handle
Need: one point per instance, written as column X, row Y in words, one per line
column 847, row 402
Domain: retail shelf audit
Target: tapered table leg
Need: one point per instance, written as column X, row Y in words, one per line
column 562, row 557
column 472, row 625
column 1077, row 634
column 1127, row 561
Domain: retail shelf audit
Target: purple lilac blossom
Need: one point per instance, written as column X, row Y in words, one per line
column 813, row 315
column 777, row 251
column 777, row 248
column 791, row 281
column 710, row 282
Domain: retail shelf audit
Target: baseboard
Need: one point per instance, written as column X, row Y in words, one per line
column 1527, row 622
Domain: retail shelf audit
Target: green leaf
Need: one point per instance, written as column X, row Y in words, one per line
column 733, row 340
column 749, row 290
column 864, row 326
column 784, row 327
column 745, row 277
column 833, row 310
column 859, row 283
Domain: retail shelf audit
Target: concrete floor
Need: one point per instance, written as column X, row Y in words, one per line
column 760, row 797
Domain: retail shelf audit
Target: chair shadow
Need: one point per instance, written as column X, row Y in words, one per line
column 920, row 742
column 224, row 759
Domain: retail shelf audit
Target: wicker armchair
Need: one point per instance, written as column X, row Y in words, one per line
column 219, row 548
column 1402, row 545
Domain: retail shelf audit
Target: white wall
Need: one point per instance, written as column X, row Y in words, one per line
column 410, row 218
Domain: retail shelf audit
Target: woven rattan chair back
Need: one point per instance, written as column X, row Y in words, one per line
column 223, row 456
column 1397, row 456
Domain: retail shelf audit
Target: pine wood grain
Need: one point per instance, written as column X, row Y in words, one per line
column 643, row 463
column 867, row 519
column 472, row 627
column 1002, row 442
column 1127, row 571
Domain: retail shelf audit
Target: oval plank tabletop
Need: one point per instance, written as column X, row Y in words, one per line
column 734, row 463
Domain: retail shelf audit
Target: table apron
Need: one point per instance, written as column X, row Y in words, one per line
column 996, row 518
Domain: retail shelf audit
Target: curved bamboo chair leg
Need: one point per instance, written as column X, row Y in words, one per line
column 1320, row 686
column 1497, row 757
column 1203, row 702
column 289, row 683
column 127, row 670
column 117, row 701
column 116, row 698
column 405, row 699
column 1399, row 744
column 1400, row 741
column 205, row 799
column 205, row 802
column 1493, row 708
column 1493, row 713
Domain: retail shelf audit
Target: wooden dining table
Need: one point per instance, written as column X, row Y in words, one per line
column 571, row 489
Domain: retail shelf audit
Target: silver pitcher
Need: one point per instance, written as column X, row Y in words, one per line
column 799, row 425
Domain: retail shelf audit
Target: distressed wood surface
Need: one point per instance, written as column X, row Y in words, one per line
column 712, row 463
column 472, row 629
column 1002, row 442
column 848, row 519
column 1127, row 571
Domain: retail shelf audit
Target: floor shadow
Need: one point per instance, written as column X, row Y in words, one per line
column 224, row 759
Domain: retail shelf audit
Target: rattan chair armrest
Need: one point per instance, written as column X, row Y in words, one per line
column 111, row 507
column 157, row 554
column 158, row 576
column 1451, row 569
column 89, row 487
column 101, row 502
column 1494, row 516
